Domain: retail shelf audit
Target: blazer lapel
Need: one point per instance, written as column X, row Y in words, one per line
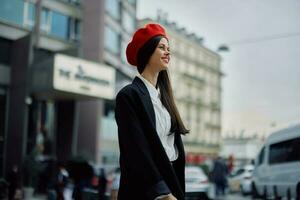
column 146, row 100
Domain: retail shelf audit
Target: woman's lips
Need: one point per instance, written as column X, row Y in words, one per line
column 166, row 60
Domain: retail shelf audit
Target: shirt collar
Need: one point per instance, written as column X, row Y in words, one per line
column 154, row 93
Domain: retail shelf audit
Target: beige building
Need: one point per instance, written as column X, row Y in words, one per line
column 196, row 79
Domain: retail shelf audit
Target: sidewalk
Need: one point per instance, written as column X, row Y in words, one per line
column 39, row 197
column 67, row 196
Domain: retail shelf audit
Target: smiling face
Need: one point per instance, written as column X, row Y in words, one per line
column 161, row 56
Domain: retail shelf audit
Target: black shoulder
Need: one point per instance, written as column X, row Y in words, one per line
column 128, row 91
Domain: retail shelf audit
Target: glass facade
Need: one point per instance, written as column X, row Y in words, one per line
column 59, row 25
column 30, row 13
column 52, row 22
column 45, row 20
column 12, row 11
column 112, row 40
column 74, row 29
column 128, row 21
column 77, row 2
column 133, row 2
column 112, row 7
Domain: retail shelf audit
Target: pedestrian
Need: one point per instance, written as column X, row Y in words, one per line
column 62, row 177
column 219, row 176
column 115, row 184
column 102, row 184
column 230, row 164
column 3, row 189
column 15, row 184
column 152, row 156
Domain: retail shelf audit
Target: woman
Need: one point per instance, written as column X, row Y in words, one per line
column 152, row 156
column 115, row 184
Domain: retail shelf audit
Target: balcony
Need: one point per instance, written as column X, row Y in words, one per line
column 193, row 78
column 212, row 126
column 215, row 106
column 201, row 144
column 190, row 100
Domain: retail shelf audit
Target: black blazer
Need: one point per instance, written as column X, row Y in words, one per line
column 146, row 171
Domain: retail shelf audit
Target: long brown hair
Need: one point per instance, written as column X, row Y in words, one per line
column 164, row 85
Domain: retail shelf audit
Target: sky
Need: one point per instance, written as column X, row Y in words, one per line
column 262, row 78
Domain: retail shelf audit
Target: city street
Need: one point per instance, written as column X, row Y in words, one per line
column 134, row 99
column 228, row 197
column 237, row 197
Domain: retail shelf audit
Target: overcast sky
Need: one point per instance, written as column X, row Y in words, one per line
column 262, row 79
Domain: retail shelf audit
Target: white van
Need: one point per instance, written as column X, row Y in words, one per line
column 277, row 166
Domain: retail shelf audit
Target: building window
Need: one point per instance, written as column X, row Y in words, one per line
column 128, row 21
column 112, row 40
column 74, row 29
column 12, row 11
column 59, row 25
column 112, row 7
column 45, row 20
column 200, row 57
column 51, row 22
column 29, row 14
column 132, row 2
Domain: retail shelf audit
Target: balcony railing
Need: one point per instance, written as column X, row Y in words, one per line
column 194, row 78
column 213, row 126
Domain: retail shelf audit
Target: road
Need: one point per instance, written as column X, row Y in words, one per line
column 235, row 197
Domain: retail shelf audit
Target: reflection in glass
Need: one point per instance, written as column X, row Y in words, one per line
column 12, row 11
column 59, row 25
column 128, row 21
column 111, row 41
column 113, row 8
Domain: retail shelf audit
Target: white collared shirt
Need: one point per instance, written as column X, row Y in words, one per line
column 163, row 121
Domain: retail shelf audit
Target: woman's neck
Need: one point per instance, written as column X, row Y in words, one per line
column 151, row 76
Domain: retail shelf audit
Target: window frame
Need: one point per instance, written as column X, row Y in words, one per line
column 27, row 22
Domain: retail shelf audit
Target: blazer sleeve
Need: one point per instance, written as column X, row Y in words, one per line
column 135, row 147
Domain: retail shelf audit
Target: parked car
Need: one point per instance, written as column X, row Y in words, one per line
column 241, row 180
column 277, row 166
column 196, row 182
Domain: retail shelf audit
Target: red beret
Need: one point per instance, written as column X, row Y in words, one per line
column 140, row 37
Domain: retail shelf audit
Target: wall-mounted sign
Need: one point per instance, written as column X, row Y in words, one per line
column 80, row 76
